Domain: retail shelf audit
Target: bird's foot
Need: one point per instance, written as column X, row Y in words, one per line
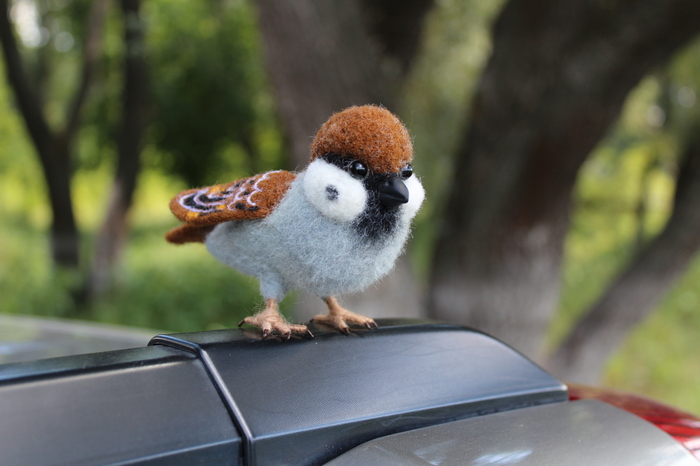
column 271, row 322
column 339, row 318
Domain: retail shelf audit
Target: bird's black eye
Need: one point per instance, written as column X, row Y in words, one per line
column 358, row 170
column 406, row 172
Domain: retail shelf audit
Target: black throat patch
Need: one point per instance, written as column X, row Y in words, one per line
column 377, row 221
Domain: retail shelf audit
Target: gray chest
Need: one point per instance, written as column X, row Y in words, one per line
column 325, row 256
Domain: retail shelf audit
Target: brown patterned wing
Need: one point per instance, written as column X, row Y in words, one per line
column 244, row 199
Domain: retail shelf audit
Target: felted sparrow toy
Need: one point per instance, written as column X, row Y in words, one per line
column 334, row 228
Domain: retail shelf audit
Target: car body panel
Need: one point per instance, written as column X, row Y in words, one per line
column 228, row 397
column 152, row 405
column 579, row 433
column 682, row 426
column 314, row 399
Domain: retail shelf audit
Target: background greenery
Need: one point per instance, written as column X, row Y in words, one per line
column 208, row 130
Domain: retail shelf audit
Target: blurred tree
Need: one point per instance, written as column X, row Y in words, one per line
column 55, row 146
column 556, row 81
column 208, row 89
column 635, row 293
column 209, row 105
column 112, row 235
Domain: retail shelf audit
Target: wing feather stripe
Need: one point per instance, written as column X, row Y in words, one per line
column 247, row 198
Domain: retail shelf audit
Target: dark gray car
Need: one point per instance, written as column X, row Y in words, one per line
column 411, row 392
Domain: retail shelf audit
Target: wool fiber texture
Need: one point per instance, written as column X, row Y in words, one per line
column 370, row 134
column 243, row 199
column 333, row 192
column 296, row 248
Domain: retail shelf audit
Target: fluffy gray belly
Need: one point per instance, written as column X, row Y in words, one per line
column 301, row 249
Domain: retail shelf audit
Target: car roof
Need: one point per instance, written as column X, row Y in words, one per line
column 229, row 394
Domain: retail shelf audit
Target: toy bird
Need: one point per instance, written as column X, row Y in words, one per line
column 334, row 228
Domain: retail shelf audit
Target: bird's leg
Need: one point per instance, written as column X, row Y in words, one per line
column 270, row 321
column 338, row 317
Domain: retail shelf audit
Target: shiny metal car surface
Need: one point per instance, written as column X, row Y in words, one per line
column 26, row 338
column 579, row 433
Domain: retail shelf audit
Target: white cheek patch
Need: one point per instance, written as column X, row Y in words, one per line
column 416, row 195
column 334, row 192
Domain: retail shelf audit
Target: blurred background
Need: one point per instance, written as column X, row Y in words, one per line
column 557, row 142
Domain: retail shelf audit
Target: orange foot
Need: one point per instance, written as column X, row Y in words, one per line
column 270, row 321
column 338, row 317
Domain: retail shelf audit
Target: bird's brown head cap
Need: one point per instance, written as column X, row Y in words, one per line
column 371, row 134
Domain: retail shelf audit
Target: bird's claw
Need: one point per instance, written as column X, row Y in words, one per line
column 339, row 319
column 273, row 324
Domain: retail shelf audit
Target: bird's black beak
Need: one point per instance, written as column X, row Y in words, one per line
column 393, row 192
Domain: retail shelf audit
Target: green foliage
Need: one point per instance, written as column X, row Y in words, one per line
column 26, row 286
column 660, row 358
column 624, row 197
column 208, row 86
column 21, row 187
column 226, row 114
column 178, row 289
column 53, row 50
column 161, row 287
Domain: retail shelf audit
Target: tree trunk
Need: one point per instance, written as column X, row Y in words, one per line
column 556, row 81
column 111, row 237
column 320, row 61
column 54, row 150
column 322, row 57
column 55, row 165
column 638, row 289
column 396, row 26
column 92, row 46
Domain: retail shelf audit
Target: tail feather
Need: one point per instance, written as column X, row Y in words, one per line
column 188, row 234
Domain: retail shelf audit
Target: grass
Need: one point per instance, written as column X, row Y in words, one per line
column 160, row 286
column 661, row 357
